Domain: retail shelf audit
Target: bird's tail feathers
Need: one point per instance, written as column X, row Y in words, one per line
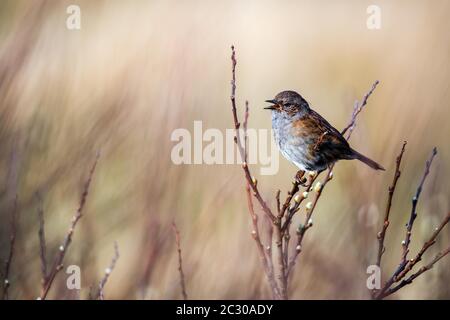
column 369, row 162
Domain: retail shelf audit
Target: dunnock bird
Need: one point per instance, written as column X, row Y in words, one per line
column 305, row 138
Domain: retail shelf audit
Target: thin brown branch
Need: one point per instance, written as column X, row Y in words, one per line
column 180, row 261
column 252, row 182
column 295, row 207
column 58, row 263
column 108, row 271
column 308, row 219
column 246, row 115
column 237, row 140
column 290, row 195
column 401, row 272
column 274, row 285
column 357, row 109
column 415, row 200
column 42, row 241
column 266, row 259
column 287, row 240
column 277, row 198
column 381, row 235
column 423, row 269
column 12, row 247
column 412, row 262
column 282, row 276
column 406, row 265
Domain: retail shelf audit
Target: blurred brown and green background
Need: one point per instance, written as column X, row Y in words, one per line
column 139, row 69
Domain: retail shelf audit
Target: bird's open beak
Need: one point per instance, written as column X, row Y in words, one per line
column 274, row 102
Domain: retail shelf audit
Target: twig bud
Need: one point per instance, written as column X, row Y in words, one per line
column 309, row 206
column 61, row 248
column 318, row 187
column 305, row 194
column 298, row 248
column 6, row 281
column 108, row 270
column 254, row 181
column 310, row 222
column 297, row 198
column 312, row 174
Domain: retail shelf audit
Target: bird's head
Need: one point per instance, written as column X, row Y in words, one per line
column 288, row 101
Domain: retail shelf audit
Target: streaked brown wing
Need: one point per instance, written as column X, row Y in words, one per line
column 328, row 140
column 325, row 126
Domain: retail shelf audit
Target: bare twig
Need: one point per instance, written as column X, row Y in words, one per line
column 238, row 142
column 180, row 261
column 308, row 219
column 252, row 182
column 290, row 195
column 58, row 263
column 12, row 245
column 277, row 198
column 42, row 242
column 406, row 265
column 282, row 276
column 265, row 259
column 112, row 265
column 412, row 262
column 274, row 286
column 423, row 269
column 404, row 269
column 381, row 235
column 415, row 200
column 357, row 109
column 293, row 209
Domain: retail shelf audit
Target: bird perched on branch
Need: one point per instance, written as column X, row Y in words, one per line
column 305, row 138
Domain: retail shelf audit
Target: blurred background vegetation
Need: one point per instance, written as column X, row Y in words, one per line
column 137, row 70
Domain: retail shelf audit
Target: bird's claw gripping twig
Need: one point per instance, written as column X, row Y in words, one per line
column 300, row 178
